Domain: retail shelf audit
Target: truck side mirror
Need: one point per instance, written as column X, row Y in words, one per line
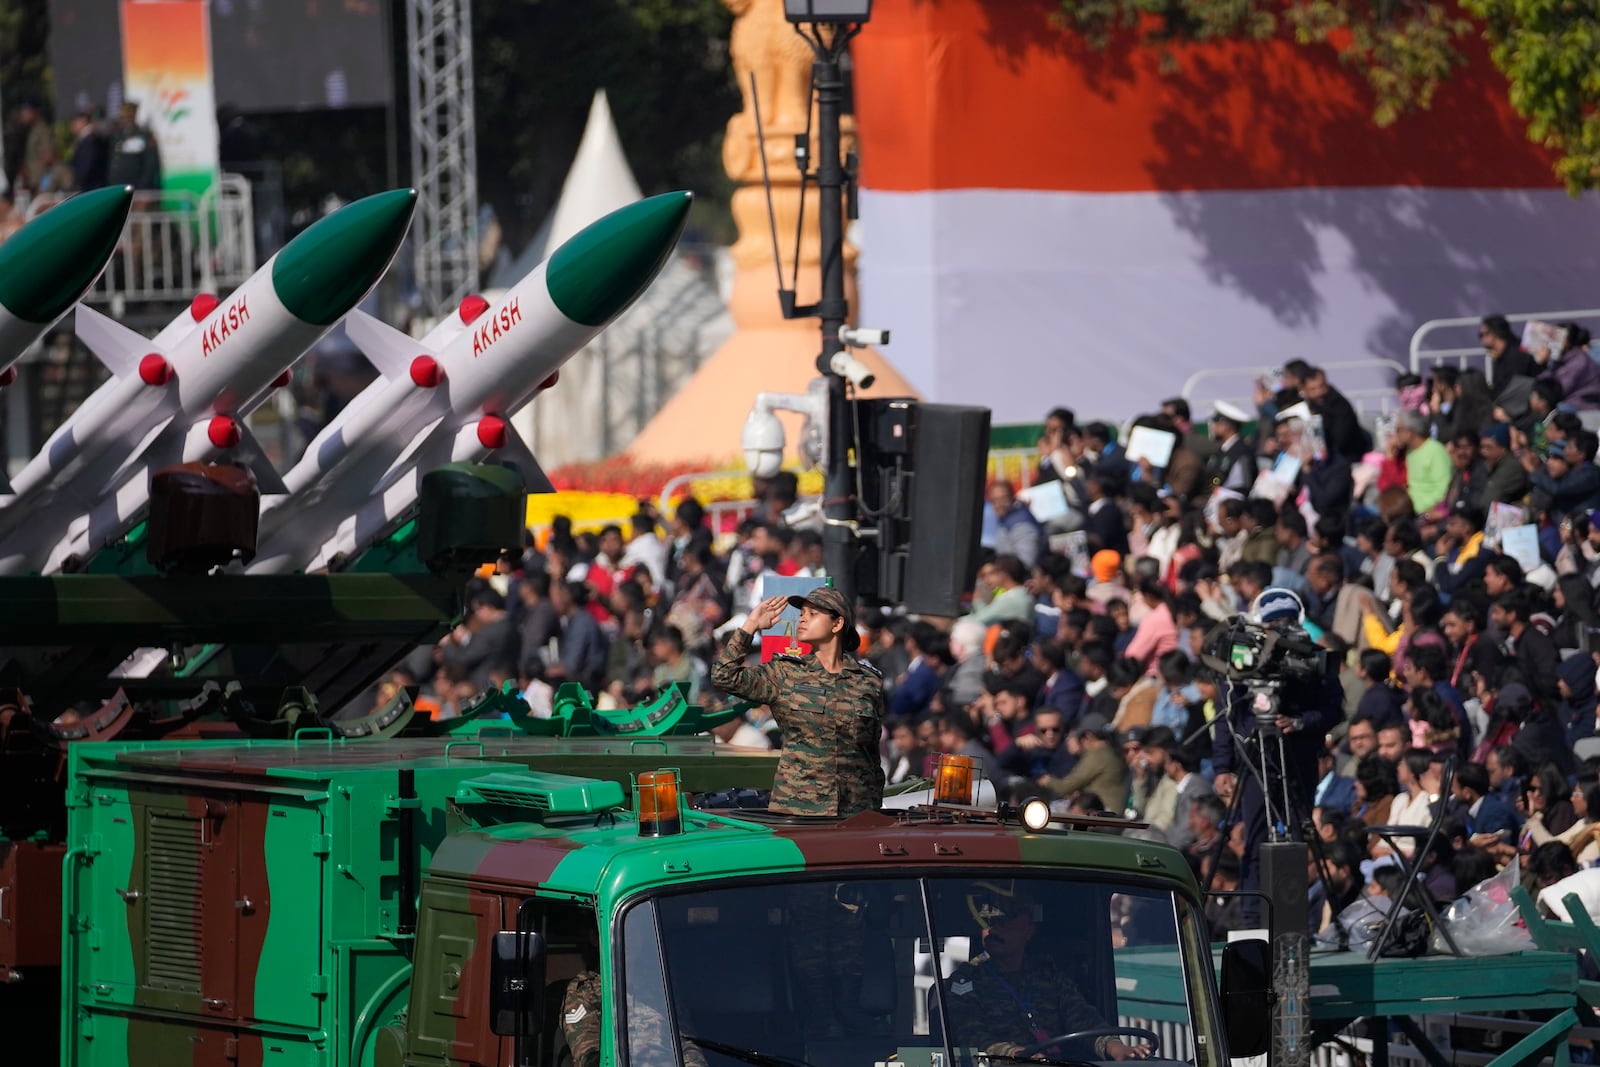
column 1247, row 996
column 516, row 983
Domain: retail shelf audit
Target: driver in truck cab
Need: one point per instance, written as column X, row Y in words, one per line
column 582, row 1020
column 1010, row 1003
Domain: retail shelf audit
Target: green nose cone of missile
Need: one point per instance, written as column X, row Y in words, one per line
column 327, row 270
column 598, row 273
column 49, row 264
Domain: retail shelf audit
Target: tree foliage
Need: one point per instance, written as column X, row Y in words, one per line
column 1405, row 50
column 664, row 65
column 24, row 62
column 1549, row 51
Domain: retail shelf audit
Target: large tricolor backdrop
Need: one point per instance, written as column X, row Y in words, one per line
column 1045, row 224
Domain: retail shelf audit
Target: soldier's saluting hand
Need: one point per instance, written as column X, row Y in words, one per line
column 828, row 703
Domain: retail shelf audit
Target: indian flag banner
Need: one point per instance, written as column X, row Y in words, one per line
column 166, row 61
column 1043, row 223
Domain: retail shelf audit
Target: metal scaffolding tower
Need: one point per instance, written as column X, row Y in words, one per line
column 444, row 150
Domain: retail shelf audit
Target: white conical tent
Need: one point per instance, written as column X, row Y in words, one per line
column 562, row 425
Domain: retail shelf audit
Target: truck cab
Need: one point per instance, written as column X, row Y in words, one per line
column 720, row 939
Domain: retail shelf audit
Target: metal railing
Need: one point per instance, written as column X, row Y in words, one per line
column 1347, row 1050
column 1379, row 399
column 1471, row 353
column 177, row 244
column 723, row 515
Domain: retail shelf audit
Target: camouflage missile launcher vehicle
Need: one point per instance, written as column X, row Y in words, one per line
column 424, row 903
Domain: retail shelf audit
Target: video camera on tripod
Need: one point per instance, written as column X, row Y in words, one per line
column 1262, row 658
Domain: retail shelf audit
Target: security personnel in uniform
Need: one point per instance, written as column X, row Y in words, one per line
column 1005, row 1000
column 828, row 703
column 582, row 1020
column 1233, row 465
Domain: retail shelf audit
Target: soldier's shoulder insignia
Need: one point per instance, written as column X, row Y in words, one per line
column 575, row 1016
column 869, row 667
column 961, row 987
column 784, row 657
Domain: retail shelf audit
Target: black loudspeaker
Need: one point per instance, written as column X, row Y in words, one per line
column 883, row 431
column 950, row 460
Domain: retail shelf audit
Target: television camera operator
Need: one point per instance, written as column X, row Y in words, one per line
column 1280, row 699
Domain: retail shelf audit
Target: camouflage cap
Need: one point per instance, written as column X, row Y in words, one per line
column 826, row 598
column 993, row 902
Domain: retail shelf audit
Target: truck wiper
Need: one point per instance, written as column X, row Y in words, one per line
column 760, row 1059
column 996, row 1057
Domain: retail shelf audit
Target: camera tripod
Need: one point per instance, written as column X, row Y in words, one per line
column 1281, row 790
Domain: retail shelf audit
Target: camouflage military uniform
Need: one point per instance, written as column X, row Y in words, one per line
column 580, row 1019
column 647, row 1032
column 831, row 726
column 1003, row 1013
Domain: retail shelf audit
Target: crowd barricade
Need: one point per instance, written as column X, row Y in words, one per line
column 1367, row 383
column 177, row 243
column 1455, row 341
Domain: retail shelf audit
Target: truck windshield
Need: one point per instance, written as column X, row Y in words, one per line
column 871, row 970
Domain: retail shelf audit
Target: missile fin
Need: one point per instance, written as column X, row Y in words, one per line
column 173, row 332
column 385, row 347
column 250, row 453
column 450, row 327
column 118, row 347
column 515, row 452
column 418, row 440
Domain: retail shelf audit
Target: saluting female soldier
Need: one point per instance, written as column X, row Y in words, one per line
column 828, row 703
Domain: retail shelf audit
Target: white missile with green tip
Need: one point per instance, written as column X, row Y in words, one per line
column 454, row 403
column 162, row 401
column 49, row 264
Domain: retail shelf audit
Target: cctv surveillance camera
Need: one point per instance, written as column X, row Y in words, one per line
column 847, row 366
column 862, row 337
column 762, row 442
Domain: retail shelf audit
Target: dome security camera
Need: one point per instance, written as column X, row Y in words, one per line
column 762, row 443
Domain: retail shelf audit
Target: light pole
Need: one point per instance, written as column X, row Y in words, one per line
column 828, row 26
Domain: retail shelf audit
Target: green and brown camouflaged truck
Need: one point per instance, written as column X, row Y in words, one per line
column 322, row 903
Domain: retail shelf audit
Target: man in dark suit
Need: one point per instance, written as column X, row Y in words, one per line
column 91, row 153
column 1340, row 427
column 1105, row 526
column 1534, row 653
column 1233, row 465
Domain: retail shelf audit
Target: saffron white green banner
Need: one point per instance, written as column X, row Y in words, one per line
column 166, row 65
column 1045, row 223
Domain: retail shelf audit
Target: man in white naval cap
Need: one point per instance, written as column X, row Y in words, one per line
column 1233, row 465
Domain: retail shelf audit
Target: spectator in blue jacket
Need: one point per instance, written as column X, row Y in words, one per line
column 1018, row 533
column 930, row 657
column 1480, row 809
column 1568, row 473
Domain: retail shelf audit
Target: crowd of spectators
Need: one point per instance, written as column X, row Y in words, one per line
column 45, row 168
column 1076, row 675
column 622, row 613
